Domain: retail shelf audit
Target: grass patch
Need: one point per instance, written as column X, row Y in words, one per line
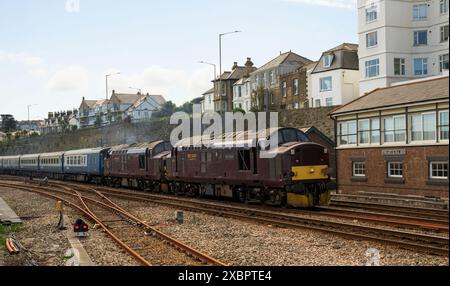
column 5, row 231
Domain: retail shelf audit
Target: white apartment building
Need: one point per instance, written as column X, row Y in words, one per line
column 401, row 40
column 335, row 78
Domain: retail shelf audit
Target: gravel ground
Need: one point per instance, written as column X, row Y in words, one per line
column 232, row 241
column 47, row 246
column 249, row 244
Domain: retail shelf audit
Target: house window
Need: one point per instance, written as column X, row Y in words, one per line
column 329, row 101
column 272, row 78
column 371, row 14
column 444, row 33
column 295, row 87
column 347, row 133
column 296, row 105
column 318, row 103
column 326, row 84
column 395, row 170
column 420, row 12
column 443, row 6
column 359, row 169
column 372, row 39
column 394, row 129
column 284, row 88
column 224, row 90
column 443, row 125
column 372, row 68
column 420, row 38
column 240, row 91
column 439, row 170
column 399, row 66
column 443, row 62
column 423, row 127
column 328, row 60
column 421, row 66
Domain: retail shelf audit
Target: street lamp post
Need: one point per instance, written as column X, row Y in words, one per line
column 220, row 59
column 108, row 75
column 138, row 89
column 211, row 64
column 28, row 107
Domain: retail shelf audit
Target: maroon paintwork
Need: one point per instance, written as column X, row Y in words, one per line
column 136, row 161
column 222, row 167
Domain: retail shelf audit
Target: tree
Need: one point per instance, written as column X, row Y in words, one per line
column 258, row 99
column 237, row 109
column 9, row 124
column 166, row 110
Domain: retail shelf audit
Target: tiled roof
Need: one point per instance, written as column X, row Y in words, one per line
column 284, row 58
column 126, row 98
column 345, row 57
column 407, row 93
column 210, row 91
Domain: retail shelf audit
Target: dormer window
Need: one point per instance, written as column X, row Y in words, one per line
column 328, row 60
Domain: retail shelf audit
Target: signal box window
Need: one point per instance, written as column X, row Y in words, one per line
column 359, row 169
column 244, row 160
column 395, row 170
column 439, row 170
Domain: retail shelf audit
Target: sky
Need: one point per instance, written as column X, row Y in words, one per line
column 54, row 52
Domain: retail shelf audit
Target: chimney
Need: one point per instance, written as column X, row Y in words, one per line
column 83, row 98
column 235, row 65
column 50, row 115
column 114, row 92
column 248, row 67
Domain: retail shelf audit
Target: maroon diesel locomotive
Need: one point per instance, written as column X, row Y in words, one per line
column 296, row 174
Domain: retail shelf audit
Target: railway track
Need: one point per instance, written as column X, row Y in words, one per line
column 134, row 236
column 399, row 210
column 406, row 239
column 407, row 222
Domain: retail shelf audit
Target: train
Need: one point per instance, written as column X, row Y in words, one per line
column 296, row 175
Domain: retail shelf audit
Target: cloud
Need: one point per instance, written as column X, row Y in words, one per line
column 71, row 78
column 38, row 72
column 21, row 58
column 343, row 4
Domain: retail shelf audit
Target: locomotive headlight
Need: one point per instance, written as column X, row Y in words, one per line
column 312, row 170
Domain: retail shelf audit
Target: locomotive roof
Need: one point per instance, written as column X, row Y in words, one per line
column 135, row 148
column 235, row 139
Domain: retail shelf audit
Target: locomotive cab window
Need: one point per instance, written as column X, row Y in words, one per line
column 142, row 161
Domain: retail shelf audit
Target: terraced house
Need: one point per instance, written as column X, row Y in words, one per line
column 271, row 81
column 136, row 107
column 224, row 86
column 396, row 139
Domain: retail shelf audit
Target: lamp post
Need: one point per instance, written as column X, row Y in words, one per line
column 28, row 107
column 138, row 89
column 211, row 64
column 220, row 59
column 108, row 75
